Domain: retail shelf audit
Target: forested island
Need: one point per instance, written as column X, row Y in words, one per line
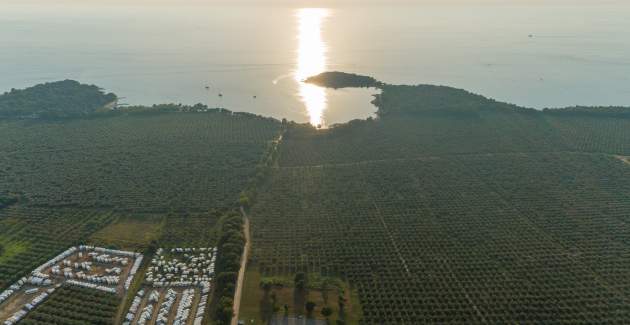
column 337, row 79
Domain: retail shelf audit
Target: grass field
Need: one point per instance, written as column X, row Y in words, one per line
column 258, row 304
column 12, row 249
column 129, row 233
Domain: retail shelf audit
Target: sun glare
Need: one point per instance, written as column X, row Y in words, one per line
column 311, row 60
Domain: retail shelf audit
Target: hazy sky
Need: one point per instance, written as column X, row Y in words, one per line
column 320, row 3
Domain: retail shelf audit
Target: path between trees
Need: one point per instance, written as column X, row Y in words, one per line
column 241, row 273
column 625, row 159
column 438, row 157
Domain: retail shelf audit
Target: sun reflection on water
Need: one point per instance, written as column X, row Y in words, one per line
column 311, row 60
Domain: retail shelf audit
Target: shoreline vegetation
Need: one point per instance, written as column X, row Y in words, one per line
column 71, row 99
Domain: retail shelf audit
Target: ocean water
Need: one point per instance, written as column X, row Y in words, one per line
column 255, row 56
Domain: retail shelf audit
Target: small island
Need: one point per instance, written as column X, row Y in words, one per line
column 337, row 80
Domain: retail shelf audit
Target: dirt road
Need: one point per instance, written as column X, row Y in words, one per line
column 241, row 273
column 624, row 159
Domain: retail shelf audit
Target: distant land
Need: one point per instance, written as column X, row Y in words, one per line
column 67, row 98
column 71, row 99
column 424, row 98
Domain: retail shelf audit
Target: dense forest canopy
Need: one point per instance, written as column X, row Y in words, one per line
column 67, row 98
column 448, row 208
column 452, row 208
column 435, row 99
column 7, row 200
column 153, row 161
column 75, row 305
